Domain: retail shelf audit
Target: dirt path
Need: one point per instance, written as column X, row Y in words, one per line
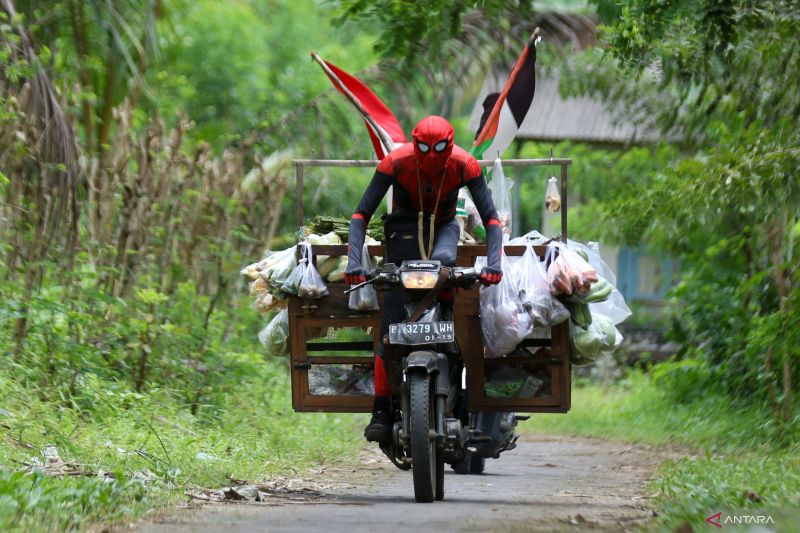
column 546, row 484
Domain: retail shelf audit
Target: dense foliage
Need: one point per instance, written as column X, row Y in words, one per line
column 145, row 157
column 730, row 206
column 132, row 190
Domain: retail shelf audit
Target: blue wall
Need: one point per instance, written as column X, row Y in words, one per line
column 628, row 273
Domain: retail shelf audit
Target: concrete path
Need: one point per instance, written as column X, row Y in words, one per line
column 546, row 484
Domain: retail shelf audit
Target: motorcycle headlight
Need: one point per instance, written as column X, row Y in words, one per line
column 418, row 279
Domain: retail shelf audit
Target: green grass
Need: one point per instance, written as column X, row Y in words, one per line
column 251, row 434
column 735, row 456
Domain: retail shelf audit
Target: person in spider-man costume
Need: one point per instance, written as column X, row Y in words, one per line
column 426, row 175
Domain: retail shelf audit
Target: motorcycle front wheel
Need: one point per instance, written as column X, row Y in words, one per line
column 422, row 422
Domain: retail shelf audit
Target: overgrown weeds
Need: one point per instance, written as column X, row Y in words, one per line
column 140, row 451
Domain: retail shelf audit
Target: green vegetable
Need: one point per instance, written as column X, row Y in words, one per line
column 338, row 274
column 581, row 316
column 591, row 341
column 275, row 335
column 278, row 267
column 292, row 283
column 326, row 267
column 341, row 227
column 599, row 292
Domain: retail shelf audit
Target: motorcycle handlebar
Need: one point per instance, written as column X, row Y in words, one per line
column 464, row 277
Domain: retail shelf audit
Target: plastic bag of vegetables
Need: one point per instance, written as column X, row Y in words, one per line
column 266, row 302
column 263, row 298
column 365, row 298
column 292, row 283
column 275, row 335
column 516, row 382
column 534, row 291
column 504, row 322
column 278, row 266
column 568, row 272
column 311, row 285
column 589, row 342
column 598, row 292
column 614, row 307
column 252, row 270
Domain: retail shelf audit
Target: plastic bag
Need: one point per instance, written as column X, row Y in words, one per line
column 365, row 298
column 504, row 321
column 532, row 237
column 589, row 342
column 552, row 198
column 311, row 286
column 516, row 382
column 278, row 267
column 252, row 270
column 470, row 232
column 534, row 292
column 264, row 300
column 275, row 335
column 598, row 292
column 334, row 380
column 567, row 272
column 593, row 256
column 292, row 283
column 500, row 187
column 614, row 307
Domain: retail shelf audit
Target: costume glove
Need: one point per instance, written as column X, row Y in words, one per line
column 491, row 276
column 354, row 275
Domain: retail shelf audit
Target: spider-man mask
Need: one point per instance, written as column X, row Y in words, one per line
column 433, row 143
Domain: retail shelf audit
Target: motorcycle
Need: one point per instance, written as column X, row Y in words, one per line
column 426, row 372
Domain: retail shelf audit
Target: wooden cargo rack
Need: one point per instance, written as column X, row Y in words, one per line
column 325, row 333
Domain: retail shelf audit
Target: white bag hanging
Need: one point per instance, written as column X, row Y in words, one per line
column 275, row 335
column 312, row 285
column 534, row 292
column 292, row 283
column 500, row 187
column 504, row 321
column 365, row 298
column 601, row 336
column 552, row 198
column 615, row 306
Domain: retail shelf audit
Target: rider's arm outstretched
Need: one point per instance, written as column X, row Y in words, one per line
column 494, row 235
column 381, row 181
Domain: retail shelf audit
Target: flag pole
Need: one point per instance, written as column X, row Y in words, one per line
column 385, row 139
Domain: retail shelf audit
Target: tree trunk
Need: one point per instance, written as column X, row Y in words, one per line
column 110, row 82
column 773, row 398
column 775, row 238
column 78, row 20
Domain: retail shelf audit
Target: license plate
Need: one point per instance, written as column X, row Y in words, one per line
column 421, row 332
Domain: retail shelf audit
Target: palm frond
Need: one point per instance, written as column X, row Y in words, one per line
column 57, row 142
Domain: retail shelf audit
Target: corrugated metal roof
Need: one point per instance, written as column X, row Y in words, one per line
column 578, row 119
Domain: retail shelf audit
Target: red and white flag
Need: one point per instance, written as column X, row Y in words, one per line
column 384, row 129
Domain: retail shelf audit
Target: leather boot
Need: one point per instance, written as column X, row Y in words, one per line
column 380, row 427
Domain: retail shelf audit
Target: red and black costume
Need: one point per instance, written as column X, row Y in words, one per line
column 426, row 176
